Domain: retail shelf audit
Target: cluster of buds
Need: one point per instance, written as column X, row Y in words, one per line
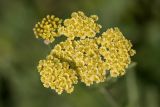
column 83, row 56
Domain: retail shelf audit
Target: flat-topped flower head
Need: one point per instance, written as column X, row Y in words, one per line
column 116, row 50
column 91, row 68
column 57, row 75
column 47, row 28
column 83, row 56
column 79, row 25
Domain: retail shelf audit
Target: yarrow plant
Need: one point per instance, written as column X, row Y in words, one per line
column 85, row 56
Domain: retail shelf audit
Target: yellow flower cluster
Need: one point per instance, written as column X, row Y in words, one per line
column 88, row 59
column 79, row 25
column 57, row 75
column 47, row 29
column 116, row 50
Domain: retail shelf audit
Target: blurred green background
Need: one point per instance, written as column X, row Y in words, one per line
column 20, row 86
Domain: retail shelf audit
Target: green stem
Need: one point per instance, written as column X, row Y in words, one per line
column 49, row 46
column 109, row 97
